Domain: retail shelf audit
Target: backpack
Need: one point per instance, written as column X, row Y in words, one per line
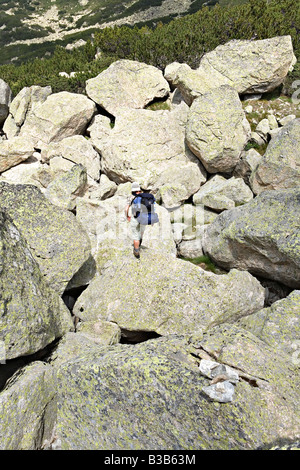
column 143, row 209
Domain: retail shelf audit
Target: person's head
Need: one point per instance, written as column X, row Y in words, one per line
column 135, row 188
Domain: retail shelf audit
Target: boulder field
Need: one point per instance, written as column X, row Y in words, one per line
column 196, row 345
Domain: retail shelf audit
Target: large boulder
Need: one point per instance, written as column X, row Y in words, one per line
column 5, row 99
column 56, row 239
column 280, row 166
column 76, row 149
column 127, row 84
column 31, row 314
column 219, row 193
column 149, row 147
column 191, row 83
column 22, row 106
column 250, row 66
column 15, row 151
column 278, row 325
column 151, row 396
column 262, row 237
column 61, row 115
column 164, row 294
column 28, row 408
column 217, row 129
column 64, row 190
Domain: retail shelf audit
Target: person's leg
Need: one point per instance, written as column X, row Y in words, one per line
column 136, row 235
column 142, row 230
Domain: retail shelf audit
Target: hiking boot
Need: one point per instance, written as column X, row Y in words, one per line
column 136, row 253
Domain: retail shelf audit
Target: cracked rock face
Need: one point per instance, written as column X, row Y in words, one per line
column 159, row 381
column 262, row 237
column 31, row 314
column 217, row 129
column 250, row 66
column 172, row 294
column 57, row 241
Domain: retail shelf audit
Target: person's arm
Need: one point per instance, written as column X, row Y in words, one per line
column 126, row 212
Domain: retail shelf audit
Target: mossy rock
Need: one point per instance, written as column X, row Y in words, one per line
column 149, row 396
column 56, row 239
column 32, row 315
column 165, row 295
column 261, row 237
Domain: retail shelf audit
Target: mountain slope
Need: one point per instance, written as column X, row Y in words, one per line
column 25, row 23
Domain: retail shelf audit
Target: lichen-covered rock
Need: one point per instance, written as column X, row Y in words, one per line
column 278, row 325
column 15, row 151
column 22, row 106
column 77, row 150
column 280, row 166
column 149, row 147
column 163, row 294
column 191, row 83
column 217, row 129
column 135, row 396
column 261, row 236
column 220, row 193
column 127, row 84
column 31, row 314
column 248, row 162
column 61, row 115
column 28, row 408
column 250, row 66
column 5, row 99
column 64, row 189
column 56, row 239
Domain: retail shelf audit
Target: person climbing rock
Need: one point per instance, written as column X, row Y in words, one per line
column 137, row 229
column 143, row 213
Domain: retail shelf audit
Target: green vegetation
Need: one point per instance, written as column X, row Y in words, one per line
column 204, row 262
column 183, row 39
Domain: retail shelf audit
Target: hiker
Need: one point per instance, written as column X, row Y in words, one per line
column 142, row 214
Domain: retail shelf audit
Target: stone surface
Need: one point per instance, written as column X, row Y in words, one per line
column 250, row 66
column 127, row 84
column 136, row 396
column 28, row 408
column 137, row 296
column 64, row 189
column 262, row 237
column 217, row 129
column 5, row 99
column 149, row 147
column 61, row 115
column 57, row 241
column 15, row 151
column 77, row 150
column 219, row 193
column 247, row 163
column 31, row 314
column 280, row 166
column 22, row 106
column 278, row 325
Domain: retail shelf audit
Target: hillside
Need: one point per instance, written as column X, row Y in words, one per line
column 184, row 39
column 30, row 29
